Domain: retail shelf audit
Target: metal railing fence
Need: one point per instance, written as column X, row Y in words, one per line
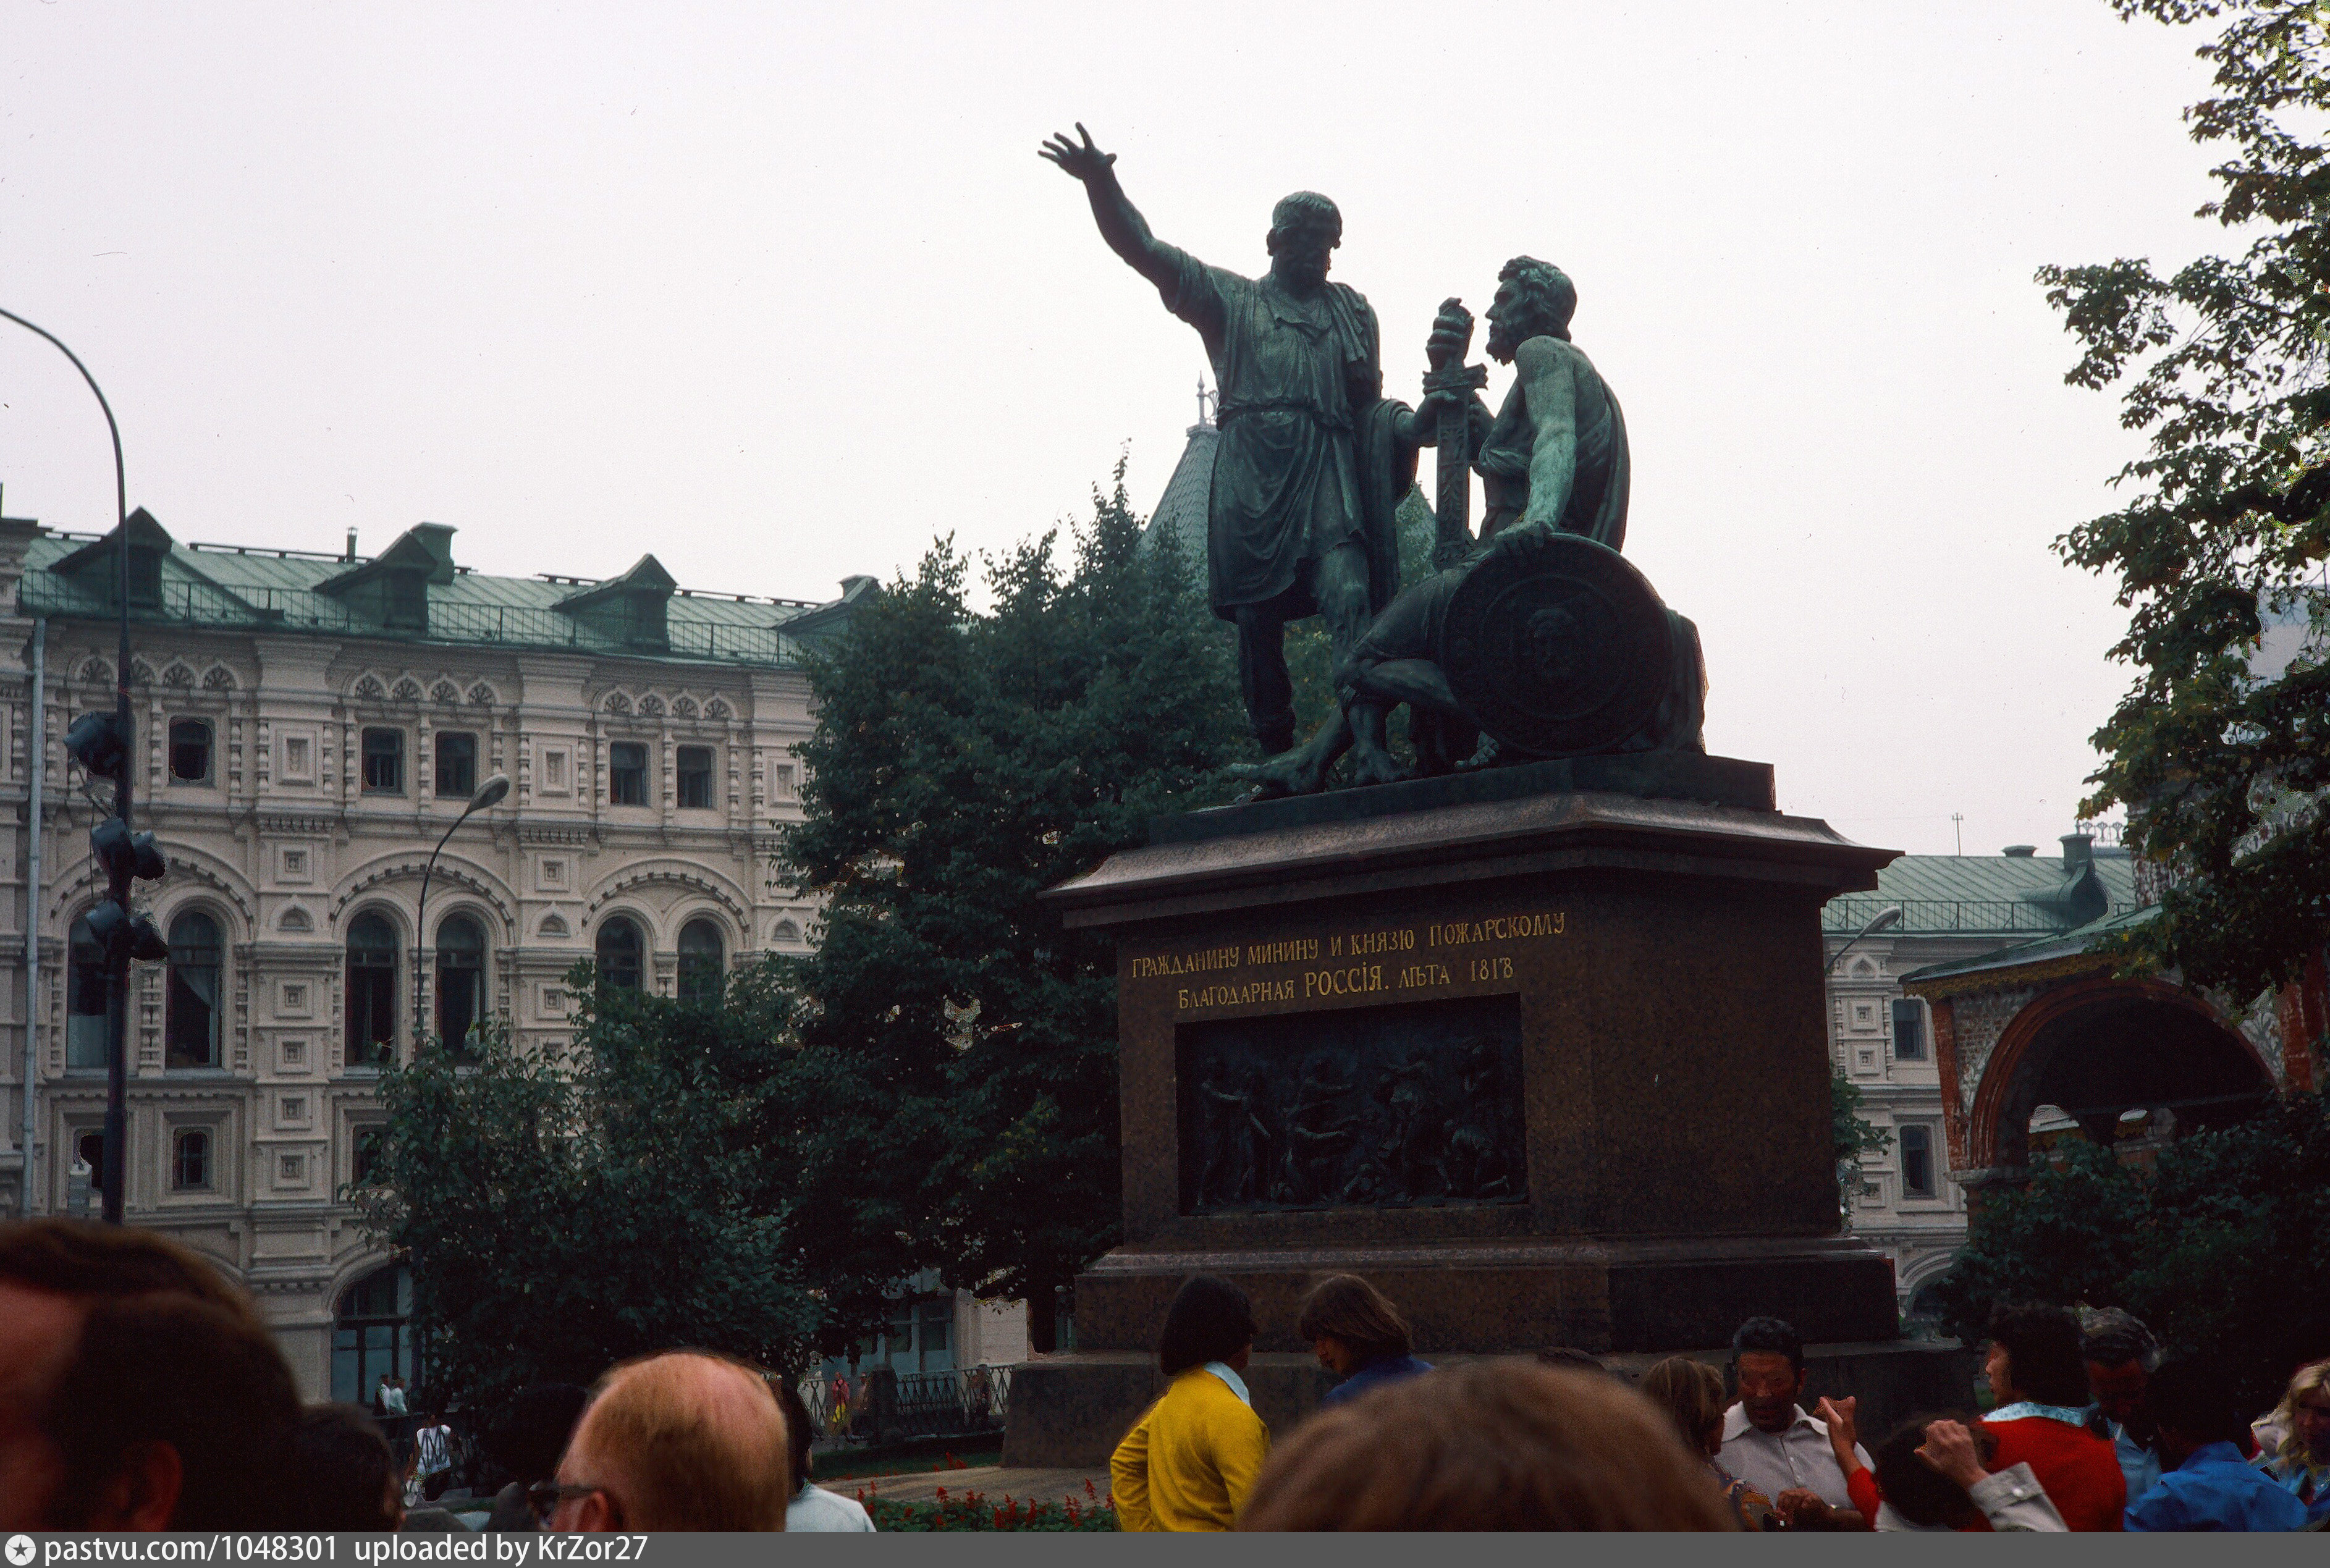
column 884, row 1406
column 1928, row 916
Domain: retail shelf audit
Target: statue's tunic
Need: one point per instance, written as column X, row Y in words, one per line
column 1306, row 460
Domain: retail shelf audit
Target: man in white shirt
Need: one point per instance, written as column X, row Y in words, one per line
column 813, row 1509
column 1771, row 1443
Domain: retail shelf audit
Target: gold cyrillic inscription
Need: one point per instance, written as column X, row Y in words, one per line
column 1187, row 963
column 1496, row 929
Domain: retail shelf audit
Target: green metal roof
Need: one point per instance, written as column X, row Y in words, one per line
column 1182, row 511
column 1975, row 894
column 2062, row 945
column 237, row 588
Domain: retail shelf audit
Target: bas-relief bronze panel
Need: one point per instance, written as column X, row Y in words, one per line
column 1366, row 1064
column 1405, row 1106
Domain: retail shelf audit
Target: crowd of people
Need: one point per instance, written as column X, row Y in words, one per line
column 140, row 1391
column 2088, row 1429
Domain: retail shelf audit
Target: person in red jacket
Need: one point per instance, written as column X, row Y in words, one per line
column 2041, row 1384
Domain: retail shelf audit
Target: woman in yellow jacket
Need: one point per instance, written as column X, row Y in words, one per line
column 1190, row 1460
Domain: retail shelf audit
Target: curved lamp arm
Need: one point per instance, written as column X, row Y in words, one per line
column 489, row 793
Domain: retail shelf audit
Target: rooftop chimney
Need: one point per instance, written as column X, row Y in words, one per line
column 351, row 555
column 2078, row 853
column 2080, row 896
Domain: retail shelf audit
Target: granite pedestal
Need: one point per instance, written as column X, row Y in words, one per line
column 1541, row 1052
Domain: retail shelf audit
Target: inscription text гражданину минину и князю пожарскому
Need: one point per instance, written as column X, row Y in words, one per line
column 1401, row 944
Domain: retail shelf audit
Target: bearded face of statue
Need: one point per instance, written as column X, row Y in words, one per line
column 1302, row 250
column 1506, row 319
column 1533, row 300
column 1515, row 317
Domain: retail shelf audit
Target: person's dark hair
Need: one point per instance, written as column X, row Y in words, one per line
column 1211, row 1319
column 799, row 1430
column 2111, row 1338
column 174, row 1370
column 1569, row 1355
column 532, row 1434
column 1916, row 1491
column 77, row 1258
column 2042, row 1352
column 168, row 1352
column 1355, row 1312
column 1504, row 1444
column 1768, row 1336
column 2196, row 1397
column 339, row 1476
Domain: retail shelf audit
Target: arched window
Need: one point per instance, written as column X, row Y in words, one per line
column 85, row 1000
column 371, row 1336
column 619, row 951
column 461, row 982
column 191, row 1029
column 371, row 992
column 701, row 962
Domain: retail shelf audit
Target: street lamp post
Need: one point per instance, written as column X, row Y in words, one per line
column 1885, row 919
column 489, row 793
column 101, row 742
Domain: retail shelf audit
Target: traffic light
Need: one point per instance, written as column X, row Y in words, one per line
column 109, row 923
column 122, row 852
column 106, row 921
column 97, row 743
column 146, row 944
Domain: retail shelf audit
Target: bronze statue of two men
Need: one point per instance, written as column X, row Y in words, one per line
column 1314, row 460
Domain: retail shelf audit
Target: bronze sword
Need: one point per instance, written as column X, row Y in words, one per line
column 1452, row 488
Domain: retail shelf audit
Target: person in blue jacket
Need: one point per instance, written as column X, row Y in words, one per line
column 1358, row 1335
column 2207, row 1483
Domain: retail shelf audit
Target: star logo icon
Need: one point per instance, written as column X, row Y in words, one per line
column 20, row 1549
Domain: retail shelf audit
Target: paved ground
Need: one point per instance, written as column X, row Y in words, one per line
column 993, row 1481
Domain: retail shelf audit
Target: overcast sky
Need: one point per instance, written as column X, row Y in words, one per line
column 779, row 292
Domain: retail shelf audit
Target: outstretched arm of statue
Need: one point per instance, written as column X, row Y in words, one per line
column 1121, row 223
column 1551, row 385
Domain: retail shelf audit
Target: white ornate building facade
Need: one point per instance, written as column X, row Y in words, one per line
column 308, row 727
column 1883, row 1039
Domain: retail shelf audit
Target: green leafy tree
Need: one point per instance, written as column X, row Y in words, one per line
column 957, row 1043
column 1853, row 1136
column 563, row 1209
column 2227, row 516
column 2223, row 1248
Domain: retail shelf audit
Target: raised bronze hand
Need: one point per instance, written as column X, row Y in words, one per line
column 1447, row 411
column 1085, row 162
column 1452, row 334
column 1443, row 350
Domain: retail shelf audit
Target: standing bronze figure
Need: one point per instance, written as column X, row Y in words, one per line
column 1313, row 458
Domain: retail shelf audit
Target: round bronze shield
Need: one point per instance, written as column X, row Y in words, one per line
column 1556, row 646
